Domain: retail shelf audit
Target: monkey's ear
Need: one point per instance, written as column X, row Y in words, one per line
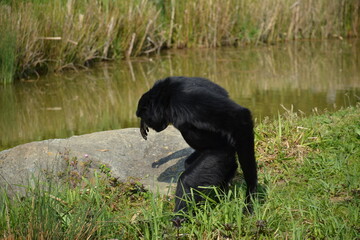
column 143, row 129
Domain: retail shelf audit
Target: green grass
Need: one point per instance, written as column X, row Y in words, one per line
column 67, row 34
column 8, row 52
column 309, row 173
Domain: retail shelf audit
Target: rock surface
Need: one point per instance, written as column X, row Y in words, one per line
column 157, row 161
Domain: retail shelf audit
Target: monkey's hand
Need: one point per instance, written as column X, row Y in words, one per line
column 143, row 129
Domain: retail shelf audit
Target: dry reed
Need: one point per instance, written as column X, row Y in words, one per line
column 60, row 34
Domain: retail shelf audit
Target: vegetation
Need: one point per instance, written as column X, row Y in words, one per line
column 37, row 36
column 310, row 189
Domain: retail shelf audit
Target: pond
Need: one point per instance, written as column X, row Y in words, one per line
column 303, row 76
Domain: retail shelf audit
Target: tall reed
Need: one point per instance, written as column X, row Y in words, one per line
column 7, row 51
column 53, row 35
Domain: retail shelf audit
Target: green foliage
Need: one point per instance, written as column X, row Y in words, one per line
column 309, row 189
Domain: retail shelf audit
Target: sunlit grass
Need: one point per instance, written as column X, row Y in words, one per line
column 309, row 189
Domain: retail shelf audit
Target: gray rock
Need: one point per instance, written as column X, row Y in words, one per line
column 157, row 161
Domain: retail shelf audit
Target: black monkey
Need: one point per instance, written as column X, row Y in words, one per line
column 211, row 123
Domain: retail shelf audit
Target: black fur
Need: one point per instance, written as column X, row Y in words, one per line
column 211, row 123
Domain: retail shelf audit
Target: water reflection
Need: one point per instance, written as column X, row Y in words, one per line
column 322, row 75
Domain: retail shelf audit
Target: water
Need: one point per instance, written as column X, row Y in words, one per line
column 302, row 76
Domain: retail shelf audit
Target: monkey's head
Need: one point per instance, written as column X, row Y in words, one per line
column 152, row 114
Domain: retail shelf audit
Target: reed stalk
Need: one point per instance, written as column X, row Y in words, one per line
column 54, row 35
column 7, row 52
